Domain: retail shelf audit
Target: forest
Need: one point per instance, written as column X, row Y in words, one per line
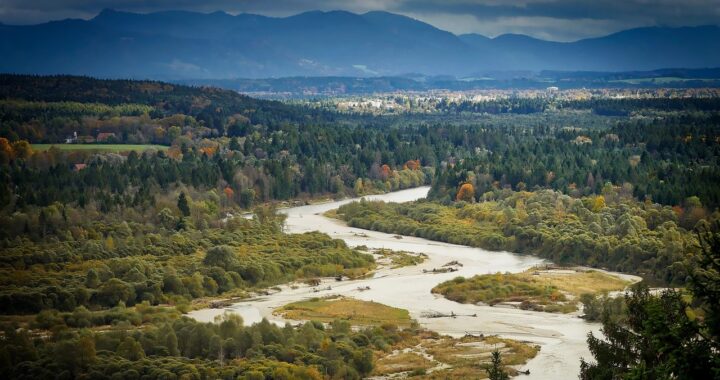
column 104, row 251
column 611, row 231
column 667, row 151
column 665, row 160
column 172, row 347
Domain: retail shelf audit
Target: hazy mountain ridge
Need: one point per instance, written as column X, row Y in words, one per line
column 179, row 44
column 317, row 86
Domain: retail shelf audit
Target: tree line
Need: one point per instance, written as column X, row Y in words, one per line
column 612, row 231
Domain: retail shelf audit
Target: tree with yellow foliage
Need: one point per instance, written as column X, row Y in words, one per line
column 598, row 203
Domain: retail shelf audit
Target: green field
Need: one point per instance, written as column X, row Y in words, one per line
column 357, row 312
column 100, row 147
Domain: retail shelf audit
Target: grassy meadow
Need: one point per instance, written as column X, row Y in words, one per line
column 540, row 290
column 357, row 312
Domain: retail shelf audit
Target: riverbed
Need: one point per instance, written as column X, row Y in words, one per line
column 562, row 337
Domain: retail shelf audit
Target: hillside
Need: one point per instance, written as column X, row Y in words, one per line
column 210, row 106
column 176, row 45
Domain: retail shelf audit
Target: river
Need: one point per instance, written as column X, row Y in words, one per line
column 561, row 337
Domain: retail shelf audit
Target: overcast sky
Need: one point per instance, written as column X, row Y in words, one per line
column 561, row 20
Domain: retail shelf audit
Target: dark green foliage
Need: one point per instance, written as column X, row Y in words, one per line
column 623, row 235
column 101, row 267
column 210, row 106
column 704, row 283
column 595, row 307
column 656, row 340
column 111, row 244
column 495, row 369
column 180, row 347
column 221, row 256
column 661, row 336
column 114, row 291
column 183, row 205
column 285, row 152
column 665, row 159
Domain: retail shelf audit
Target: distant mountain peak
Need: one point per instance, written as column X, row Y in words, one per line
column 330, row 13
column 516, row 37
column 474, row 35
column 108, row 12
column 389, row 15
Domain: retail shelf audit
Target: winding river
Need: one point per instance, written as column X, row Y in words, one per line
column 561, row 337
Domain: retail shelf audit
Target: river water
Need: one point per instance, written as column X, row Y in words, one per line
column 561, row 337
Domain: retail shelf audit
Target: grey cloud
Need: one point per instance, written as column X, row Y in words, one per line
column 554, row 19
column 661, row 11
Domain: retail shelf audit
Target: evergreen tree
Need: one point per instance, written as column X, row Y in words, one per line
column 657, row 340
column 183, row 205
column 495, row 370
column 705, row 285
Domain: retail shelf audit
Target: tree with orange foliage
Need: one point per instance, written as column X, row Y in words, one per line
column 466, row 193
column 174, row 153
column 412, row 165
column 6, row 151
column 229, row 193
column 385, row 172
column 229, row 196
column 210, row 150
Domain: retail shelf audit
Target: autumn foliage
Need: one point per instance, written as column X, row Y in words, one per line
column 412, row 165
column 466, row 193
column 229, row 193
column 210, row 150
column 6, row 151
column 598, row 203
column 385, row 172
column 18, row 149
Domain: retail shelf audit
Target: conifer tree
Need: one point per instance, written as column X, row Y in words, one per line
column 183, row 205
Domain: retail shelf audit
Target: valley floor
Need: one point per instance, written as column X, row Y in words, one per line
column 560, row 336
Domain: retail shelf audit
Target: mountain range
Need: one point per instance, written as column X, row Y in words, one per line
column 184, row 45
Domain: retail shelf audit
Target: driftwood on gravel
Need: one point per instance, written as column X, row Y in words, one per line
column 437, row 314
column 441, row 270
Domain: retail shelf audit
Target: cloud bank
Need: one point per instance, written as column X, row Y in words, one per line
column 560, row 20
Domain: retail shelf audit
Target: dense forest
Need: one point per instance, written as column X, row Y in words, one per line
column 103, row 250
column 664, row 159
column 100, row 263
column 283, row 151
column 672, row 334
column 173, row 347
column 253, row 151
column 610, row 231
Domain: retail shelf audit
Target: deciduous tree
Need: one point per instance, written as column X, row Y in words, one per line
column 466, row 193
